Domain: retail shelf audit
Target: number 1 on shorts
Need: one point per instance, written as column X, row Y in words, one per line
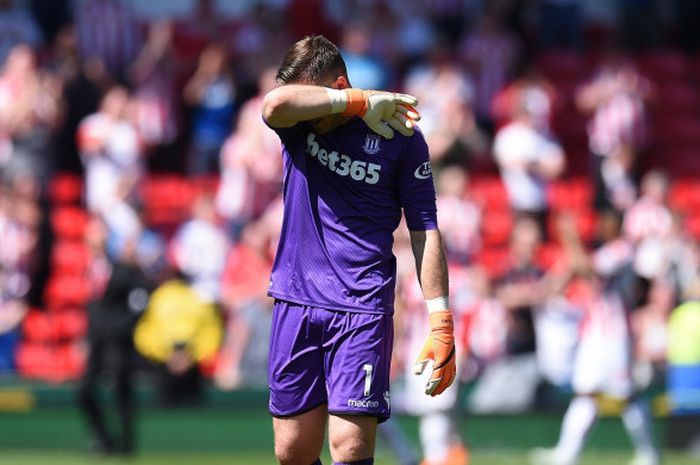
column 368, row 378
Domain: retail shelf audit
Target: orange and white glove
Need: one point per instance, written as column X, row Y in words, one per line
column 381, row 111
column 440, row 349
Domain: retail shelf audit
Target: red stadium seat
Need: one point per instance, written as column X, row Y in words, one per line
column 495, row 227
column 677, row 96
column 494, row 260
column 570, row 194
column 684, row 195
column 692, row 225
column 489, row 191
column 70, row 257
column 38, row 326
column 678, row 130
column 70, row 324
column 549, row 254
column 168, row 199
column 65, row 189
column 34, row 360
column 664, row 64
column 69, row 223
column 680, row 161
column 563, row 65
column 66, row 291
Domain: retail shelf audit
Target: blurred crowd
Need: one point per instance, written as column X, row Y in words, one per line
column 540, row 117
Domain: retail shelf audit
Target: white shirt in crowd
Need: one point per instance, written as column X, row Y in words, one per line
column 517, row 148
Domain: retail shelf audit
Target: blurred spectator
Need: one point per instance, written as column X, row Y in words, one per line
column 178, row 330
column 648, row 224
column 153, row 74
column 17, row 27
column 64, row 61
column 448, row 122
column 107, row 30
column 604, row 356
column 615, row 98
column 516, row 292
column 20, row 217
column 649, row 326
column 200, row 247
column 251, row 163
column 84, row 83
column 364, row 70
column 487, row 327
column 459, row 217
column 490, row 53
column 15, row 259
column 111, row 151
column 515, row 289
column 684, row 254
column 244, row 297
column 119, row 295
column 413, row 34
column 12, row 311
column 684, row 354
column 28, row 113
column 51, row 16
column 211, row 93
column 533, row 85
column 528, row 158
column 560, row 24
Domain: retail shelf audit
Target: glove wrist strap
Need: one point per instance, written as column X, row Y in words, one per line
column 356, row 103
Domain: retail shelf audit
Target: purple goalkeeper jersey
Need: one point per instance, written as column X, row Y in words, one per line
column 343, row 196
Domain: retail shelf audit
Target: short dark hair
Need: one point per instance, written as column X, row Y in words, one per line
column 314, row 59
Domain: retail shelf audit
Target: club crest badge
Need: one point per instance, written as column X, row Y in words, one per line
column 371, row 146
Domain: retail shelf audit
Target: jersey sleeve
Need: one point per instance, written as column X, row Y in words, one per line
column 287, row 133
column 415, row 185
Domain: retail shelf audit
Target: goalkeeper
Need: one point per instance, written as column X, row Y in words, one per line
column 352, row 163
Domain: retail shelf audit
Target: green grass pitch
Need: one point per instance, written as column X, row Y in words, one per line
column 244, row 437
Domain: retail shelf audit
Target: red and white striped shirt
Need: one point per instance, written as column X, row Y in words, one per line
column 107, row 30
column 647, row 218
column 620, row 120
column 491, row 54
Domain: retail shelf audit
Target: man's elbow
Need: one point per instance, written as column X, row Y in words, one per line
column 273, row 108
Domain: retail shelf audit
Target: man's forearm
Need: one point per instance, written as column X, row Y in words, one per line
column 287, row 105
column 431, row 264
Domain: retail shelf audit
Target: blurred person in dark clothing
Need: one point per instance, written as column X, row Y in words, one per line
column 211, row 93
column 153, row 75
column 515, row 288
column 120, row 294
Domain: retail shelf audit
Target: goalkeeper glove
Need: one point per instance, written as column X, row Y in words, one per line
column 381, row 111
column 440, row 348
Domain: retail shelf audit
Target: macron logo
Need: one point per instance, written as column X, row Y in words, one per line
column 363, row 403
column 424, row 171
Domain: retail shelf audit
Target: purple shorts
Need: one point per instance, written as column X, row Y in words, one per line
column 329, row 357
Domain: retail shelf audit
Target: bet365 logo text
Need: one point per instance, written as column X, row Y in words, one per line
column 341, row 164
